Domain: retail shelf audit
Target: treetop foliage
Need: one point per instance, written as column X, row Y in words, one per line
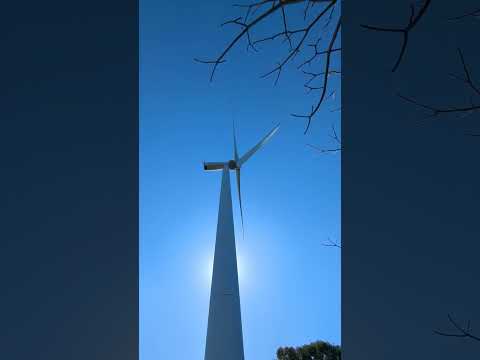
column 318, row 350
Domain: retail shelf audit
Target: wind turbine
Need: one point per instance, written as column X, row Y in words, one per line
column 224, row 330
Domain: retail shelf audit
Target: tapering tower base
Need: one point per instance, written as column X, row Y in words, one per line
column 224, row 332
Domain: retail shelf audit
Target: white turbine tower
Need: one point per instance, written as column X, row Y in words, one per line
column 224, row 331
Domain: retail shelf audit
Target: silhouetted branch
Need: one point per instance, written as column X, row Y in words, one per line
column 468, row 79
column 313, row 76
column 296, row 50
column 405, row 31
column 320, row 150
column 335, row 137
column 330, row 243
column 474, row 13
column 462, row 332
column 325, row 79
column 468, row 109
column 437, row 111
column 246, row 27
column 309, row 60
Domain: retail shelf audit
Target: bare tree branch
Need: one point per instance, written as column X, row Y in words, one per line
column 468, row 79
column 474, row 13
column 325, row 79
column 462, row 332
column 468, row 109
column 436, row 111
column 335, row 137
column 313, row 76
column 322, row 151
column 296, row 50
column 246, row 28
column 330, row 243
column 276, row 5
column 309, row 60
column 405, row 31
column 296, row 40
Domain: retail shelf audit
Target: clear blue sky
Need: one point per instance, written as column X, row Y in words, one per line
column 289, row 281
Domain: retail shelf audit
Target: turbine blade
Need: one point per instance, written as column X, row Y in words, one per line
column 253, row 150
column 235, row 150
column 237, row 171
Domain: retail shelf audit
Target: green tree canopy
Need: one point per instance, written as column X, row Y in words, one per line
column 318, row 350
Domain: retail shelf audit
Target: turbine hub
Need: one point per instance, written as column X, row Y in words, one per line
column 232, row 165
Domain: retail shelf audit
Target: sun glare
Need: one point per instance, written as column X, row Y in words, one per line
column 207, row 269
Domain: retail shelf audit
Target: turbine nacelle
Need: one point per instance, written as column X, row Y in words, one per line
column 215, row 166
